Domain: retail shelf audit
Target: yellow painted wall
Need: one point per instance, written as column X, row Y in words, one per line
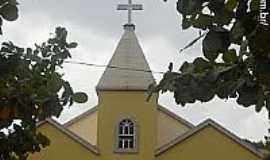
column 168, row 128
column 86, row 128
column 208, row 144
column 116, row 105
column 62, row 147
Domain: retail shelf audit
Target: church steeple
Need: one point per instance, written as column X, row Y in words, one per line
column 128, row 68
column 122, row 98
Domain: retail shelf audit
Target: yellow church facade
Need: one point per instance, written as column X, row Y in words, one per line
column 124, row 126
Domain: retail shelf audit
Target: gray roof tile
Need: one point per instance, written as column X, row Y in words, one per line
column 128, row 68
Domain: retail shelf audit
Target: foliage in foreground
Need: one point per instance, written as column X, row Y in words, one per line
column 8, row 11
column 236, row 54
column 31, row 90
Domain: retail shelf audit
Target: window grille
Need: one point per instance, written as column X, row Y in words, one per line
column 126, row 135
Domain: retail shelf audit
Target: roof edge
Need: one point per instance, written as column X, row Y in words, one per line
column 70, row 134
column 175, row 116
column 98, row 89
column 201, row 126
column 80, row 116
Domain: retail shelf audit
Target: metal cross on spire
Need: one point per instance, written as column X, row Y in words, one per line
column 130, row 7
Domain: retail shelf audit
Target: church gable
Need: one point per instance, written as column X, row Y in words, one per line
column 208, row 141
column 85, row 125
column 64, row 144
column 170, row 126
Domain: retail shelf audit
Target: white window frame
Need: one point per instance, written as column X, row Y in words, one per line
column 126, row 137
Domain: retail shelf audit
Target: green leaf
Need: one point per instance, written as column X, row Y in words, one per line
column 268, row 103
column 203, row 21
column 223, row 18
column 185, row 88
column 61, row 34
column 230, row 56
column 52, row 41
column 237, row 33
column 9, row 12
column 201, row 64
column 216, row 6
column 55, row 82
column 260, row 100
column 13, row 2
column 167, row 82
column 247, row 95
column 231, row 5
column 187, row 7
column 243, row 47
column 255, row 5
column 80, row 97
column 72, row 45
column 187, row 67
column 3, row 2
column 216, row 41
column 152, row 88
column 186, row 23
column 1, row 23
column 67, row 53
column 206, row 95
column 68, row 92
column 227, row 89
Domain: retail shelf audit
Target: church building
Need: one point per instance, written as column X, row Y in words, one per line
column 124, row 126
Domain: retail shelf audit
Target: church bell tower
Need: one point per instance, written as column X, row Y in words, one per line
column 126, row 121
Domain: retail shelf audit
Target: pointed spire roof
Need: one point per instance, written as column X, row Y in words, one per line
column 128, row 69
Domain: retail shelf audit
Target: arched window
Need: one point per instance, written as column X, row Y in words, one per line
column 126, row 138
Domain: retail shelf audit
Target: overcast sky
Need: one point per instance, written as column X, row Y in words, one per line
column 97, row 27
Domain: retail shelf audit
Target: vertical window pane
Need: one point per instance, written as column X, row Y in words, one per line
column 131, row 144
column 131, row 130
column 120, row 130
column 126, row 143
column 123, row 143
column 126, row 129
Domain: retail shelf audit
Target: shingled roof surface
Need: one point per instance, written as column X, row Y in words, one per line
column 128, row 68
